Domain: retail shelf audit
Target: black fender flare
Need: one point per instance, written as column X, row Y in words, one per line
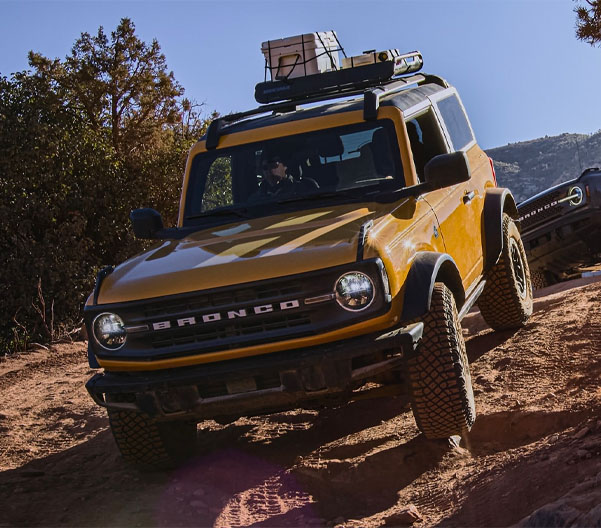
column 427, row 268
column 496, row 202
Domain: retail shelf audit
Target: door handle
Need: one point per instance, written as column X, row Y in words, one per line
column 468, row 196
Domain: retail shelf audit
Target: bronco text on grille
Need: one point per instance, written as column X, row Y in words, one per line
column 231, row 314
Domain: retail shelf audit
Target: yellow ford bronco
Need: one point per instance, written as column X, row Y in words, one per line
column 328, row 244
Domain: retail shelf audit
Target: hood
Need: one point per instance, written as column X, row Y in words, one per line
column 242, row 252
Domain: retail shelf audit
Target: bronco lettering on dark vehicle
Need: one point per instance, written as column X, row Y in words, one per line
column 561, row 228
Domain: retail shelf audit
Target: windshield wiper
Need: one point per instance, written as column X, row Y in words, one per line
column 317, row 196
column 241, row 212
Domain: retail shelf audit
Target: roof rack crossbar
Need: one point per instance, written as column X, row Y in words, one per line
column 371, row 98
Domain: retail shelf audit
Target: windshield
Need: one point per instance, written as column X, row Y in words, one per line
column 339, row 163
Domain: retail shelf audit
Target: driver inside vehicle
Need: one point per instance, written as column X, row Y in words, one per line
column 277, row 180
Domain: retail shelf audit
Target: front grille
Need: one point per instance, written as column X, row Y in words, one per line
column 225, row 299
column 236, row 316
column 190, row 334
column 541, row 210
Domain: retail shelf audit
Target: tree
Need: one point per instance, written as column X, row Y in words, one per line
column 82, row 142
column 121, row 84
column 588, row 22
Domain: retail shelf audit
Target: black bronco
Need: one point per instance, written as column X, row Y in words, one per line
column 561, row 228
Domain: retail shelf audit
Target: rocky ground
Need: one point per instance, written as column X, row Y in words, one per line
column 533, row 458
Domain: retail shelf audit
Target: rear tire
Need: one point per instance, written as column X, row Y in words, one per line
column 539, row 280
column 506, row 301
column 149, row 444
column 442, row 398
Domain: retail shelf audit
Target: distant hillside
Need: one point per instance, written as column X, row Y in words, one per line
column 533, row 166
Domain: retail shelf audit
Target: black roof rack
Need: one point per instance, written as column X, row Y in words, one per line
column 335, row 81
column 372, row 88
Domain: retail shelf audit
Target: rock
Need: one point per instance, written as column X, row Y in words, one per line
column 405, row 517
column 592, row 444
column 339, row 520
column 198, row 492
column 583, row 453
column 592, row 518
column 582, row 433
column 502, row 363
column 198, row 504
column 551, row 515
column 454, row 441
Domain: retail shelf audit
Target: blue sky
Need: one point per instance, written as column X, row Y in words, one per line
column 516, row 63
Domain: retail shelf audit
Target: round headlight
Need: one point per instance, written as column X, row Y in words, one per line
column 576, row 195
column 109, row 331
column 354, row 291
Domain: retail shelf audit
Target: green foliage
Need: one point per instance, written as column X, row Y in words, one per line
column 218, row 188
column 588, row 22
column 82, row 142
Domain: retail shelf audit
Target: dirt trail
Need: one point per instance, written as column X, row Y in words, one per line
column 533, row 456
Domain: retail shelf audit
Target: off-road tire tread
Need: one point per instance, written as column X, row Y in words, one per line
column 500, row 303
column 149, row 444
column 440, row 382
column 538, row 279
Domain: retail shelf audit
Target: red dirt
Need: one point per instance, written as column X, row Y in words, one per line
column 533, row 457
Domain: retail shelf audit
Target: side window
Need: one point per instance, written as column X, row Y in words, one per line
column 218, row 186
column 456, row 122
column 426, row 140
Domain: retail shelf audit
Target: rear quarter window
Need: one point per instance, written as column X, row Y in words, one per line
column 456, row 122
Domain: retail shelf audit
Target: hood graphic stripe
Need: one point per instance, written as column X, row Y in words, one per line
column 234, row 253
column 308, row 237
column 282, row 227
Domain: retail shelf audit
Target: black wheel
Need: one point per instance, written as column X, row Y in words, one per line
column 506, row 301
column 439, row 376
column 149, row 444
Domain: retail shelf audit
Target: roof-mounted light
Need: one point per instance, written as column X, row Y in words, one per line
column 401, row 63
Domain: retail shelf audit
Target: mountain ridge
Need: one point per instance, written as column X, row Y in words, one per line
column 529, row 167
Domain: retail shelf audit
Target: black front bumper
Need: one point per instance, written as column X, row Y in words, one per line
column 261, row 384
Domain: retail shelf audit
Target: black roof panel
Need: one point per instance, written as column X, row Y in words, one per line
column 402, row 100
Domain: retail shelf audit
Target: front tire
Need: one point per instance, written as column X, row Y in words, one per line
column 149, row 444
column 506, row 301
column 442, row 398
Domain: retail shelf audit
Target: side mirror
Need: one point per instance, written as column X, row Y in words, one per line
column 146, row 223
column 445, row 170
